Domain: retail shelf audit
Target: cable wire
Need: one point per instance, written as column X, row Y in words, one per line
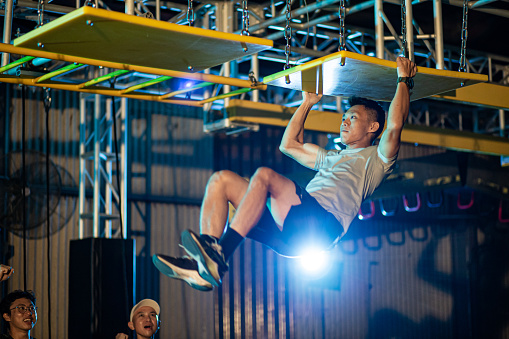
column 124, row 261
column 47, row 105
column 24, row 180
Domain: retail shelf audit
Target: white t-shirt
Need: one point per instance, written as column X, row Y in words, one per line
column 345, row 178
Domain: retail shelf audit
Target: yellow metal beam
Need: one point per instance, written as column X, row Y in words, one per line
column 483, row 94
column 103, row 78
column 277, row 115
column 186, row 90
column 6, row 48
column 62, row 70
column 456, row 140
column 16, row 63
column 226, row 95
column 329, row 122
column 145, row 84
column 94, row 90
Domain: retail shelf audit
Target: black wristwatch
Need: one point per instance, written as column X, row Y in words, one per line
column 407, row 80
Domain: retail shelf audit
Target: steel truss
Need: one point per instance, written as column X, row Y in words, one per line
column 99, row 166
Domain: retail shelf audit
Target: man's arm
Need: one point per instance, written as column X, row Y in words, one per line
column 292, row 143
column 398, row 111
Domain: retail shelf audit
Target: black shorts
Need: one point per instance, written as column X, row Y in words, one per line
column 306, row 225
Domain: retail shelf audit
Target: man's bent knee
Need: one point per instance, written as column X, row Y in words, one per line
column 221, row 177
column 264, row 174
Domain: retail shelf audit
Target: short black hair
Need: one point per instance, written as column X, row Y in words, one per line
column 377, row 113
column 6, row 303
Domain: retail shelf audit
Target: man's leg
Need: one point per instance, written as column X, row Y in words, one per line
column 223, row 187
column 265, row 182
column 208, row 252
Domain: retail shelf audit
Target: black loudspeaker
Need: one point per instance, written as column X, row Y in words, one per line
column 101, row 287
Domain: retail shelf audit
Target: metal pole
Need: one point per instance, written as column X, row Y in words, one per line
column 295, row 13
column 410, row 30
column 474, row 4
column 255, row 67
column 439, row 32
column 123, row 163
column 108, row 169
column 224, row 19
column 379, row 29
column 227, row 88
column 9, row 4
column 501, row 122
column 158, row 9
column 97, row 159
column 83, row 178
column 129, row 7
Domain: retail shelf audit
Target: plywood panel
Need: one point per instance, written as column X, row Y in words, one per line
column 117, row 37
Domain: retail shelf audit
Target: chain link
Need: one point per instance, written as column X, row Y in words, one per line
column 47, row 99
column 288, row 33
column 403, row 30
column 464, row 36
column 40, row 13
column 342, row 34
column 245, row 18
column 190, row 12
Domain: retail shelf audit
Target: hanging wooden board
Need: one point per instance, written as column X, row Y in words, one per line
column 117, row 37
column 345, row 74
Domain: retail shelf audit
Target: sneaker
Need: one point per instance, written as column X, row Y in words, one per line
column 184, row 268
column 208, row 253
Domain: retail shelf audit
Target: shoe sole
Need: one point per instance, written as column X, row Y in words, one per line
column 175, row 272
column 208, row 271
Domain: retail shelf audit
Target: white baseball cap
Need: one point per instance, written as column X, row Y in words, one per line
column 145, row 302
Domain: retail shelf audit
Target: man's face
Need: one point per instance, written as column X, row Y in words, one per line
column 20, row 321
column 356, row 127
column 145, row 322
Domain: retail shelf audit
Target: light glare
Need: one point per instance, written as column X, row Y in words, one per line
column 313, row 260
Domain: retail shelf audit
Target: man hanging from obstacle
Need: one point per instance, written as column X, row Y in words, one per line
column 275, row 211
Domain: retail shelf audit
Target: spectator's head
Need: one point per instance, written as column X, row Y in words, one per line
column 144, row 319
column 19, row 311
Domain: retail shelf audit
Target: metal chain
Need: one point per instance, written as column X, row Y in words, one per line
column 342, row 34
column 245, row 18
column 403, row 29
column 190, row 12
column 464, row 35
column 40, row 13
column 47, row 99
column 288, row 33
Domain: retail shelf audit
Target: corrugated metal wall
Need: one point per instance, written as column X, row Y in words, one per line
column 170, row 161
column 404, row 276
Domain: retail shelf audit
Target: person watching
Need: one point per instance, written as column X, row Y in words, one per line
column 144, row 320
column 19, row 311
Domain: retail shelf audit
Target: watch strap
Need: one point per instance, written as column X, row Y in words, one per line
column 409, row 81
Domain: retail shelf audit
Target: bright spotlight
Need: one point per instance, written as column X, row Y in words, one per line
column 188, row 84
column 314, row 261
